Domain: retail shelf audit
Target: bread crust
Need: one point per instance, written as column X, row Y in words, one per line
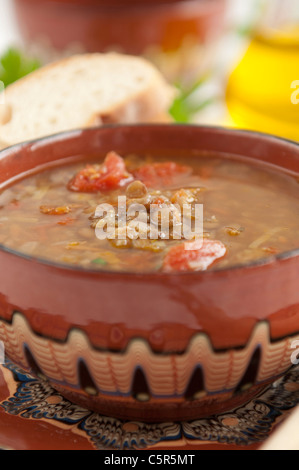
column 146, row 95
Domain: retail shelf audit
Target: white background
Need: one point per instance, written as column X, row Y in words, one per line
column 8, row 28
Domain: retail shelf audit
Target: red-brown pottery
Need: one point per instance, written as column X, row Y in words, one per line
column 158, row 346
column 130, row 26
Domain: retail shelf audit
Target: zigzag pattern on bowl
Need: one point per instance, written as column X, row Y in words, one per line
column 167, row 375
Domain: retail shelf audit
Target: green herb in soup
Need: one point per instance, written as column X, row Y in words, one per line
column 128, row 214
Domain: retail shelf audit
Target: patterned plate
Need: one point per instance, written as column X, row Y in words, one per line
column 34, row 416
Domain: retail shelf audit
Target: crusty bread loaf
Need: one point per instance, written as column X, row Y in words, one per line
column 83, row 90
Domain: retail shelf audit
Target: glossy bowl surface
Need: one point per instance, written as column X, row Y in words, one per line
column 127, row 26
column 151, row 346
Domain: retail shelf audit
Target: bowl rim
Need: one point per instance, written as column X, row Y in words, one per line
column 58, row 137
column 202, row 6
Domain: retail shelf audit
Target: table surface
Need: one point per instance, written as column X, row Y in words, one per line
column 34, row 416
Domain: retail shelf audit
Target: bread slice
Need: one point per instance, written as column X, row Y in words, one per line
column 81, row 91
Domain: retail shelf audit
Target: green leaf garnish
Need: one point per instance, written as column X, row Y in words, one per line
column 14, row 65
column 185, row 106
column 99, row 261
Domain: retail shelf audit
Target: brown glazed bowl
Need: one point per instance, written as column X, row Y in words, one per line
column 129, row 26
column 151, row 346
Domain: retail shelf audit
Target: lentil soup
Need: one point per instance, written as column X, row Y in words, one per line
column 250, row 212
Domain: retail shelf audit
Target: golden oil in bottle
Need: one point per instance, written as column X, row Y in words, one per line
column 263, row 90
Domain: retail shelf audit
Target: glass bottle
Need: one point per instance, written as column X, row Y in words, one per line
column 263, row 90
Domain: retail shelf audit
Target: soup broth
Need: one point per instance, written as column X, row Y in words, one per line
column 250, row 212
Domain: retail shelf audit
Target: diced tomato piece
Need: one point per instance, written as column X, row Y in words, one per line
column 193, row 256
column 162, row 174
column 112, row 174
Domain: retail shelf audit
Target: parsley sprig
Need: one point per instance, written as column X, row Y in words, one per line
column 185, row 105
column 14, row 65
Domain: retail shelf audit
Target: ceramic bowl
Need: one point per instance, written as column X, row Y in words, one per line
column 130, row 26
column 154, row 346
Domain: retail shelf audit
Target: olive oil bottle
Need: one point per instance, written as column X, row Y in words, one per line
column 263, row 90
